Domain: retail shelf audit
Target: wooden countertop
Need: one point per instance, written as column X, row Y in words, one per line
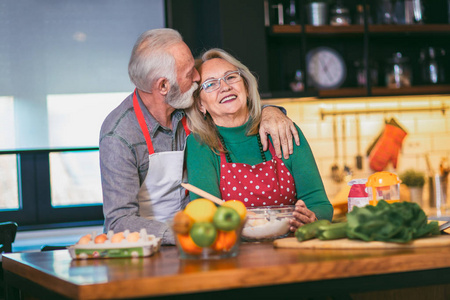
column 257, row 265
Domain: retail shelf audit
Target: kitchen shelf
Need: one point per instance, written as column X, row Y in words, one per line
column 286, row 29
column 413, row 90
column 288, row 94
column 356, row 36
column 329, row 29
column 309, row 29
column 425, row 28
column 359, row 46
column 343, row 92
column 384, row 91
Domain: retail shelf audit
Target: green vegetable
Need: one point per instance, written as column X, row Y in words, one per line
column 332, row 231
column 399, row 222
column 308, row 231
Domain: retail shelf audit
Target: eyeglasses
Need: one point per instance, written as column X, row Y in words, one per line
column 212, row 85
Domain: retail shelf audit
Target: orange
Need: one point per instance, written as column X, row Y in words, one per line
column 201, row 210
column 188, row 245
column 225, row 240
column 238, row 206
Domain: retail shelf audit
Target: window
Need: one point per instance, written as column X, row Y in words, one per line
column 75, row 178
column 63, row 68
column 9, row 191
column 75, row 119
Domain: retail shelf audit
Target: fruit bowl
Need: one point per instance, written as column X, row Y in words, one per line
column 267, row 223
column 226, row 245
column 204, row 231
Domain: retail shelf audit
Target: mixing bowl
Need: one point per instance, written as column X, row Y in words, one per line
column 267, row 223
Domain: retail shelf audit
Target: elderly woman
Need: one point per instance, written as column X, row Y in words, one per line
column 225, row 156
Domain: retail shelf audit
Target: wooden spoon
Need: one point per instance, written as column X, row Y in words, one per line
column 202, row 193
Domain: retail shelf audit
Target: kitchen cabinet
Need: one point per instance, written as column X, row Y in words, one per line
column 234, row 25
column 250, row 30
column 372, row 43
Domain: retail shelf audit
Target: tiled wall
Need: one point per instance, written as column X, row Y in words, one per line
column 428, row 131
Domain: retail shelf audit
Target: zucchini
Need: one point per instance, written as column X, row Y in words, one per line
column 309, row 231
column 332, row 231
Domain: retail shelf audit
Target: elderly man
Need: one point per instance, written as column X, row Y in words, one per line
column 142, row 141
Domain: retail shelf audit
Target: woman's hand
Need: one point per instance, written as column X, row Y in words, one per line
column 280, row 128
column 302, row 215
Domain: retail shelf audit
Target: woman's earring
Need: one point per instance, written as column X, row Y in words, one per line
column 204, row 116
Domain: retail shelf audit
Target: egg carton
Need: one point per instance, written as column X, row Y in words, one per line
column 145, row 245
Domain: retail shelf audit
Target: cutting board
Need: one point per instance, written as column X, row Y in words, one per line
column 291, row 242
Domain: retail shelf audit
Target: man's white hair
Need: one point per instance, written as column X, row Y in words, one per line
column 150, row 59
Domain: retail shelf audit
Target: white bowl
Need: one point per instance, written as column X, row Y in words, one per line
column 267, row 223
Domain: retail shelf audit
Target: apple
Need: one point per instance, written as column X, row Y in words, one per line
column 203, row 234
column 238, row 206
column 226, row 218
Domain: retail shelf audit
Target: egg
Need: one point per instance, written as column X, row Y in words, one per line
column 84, row 239
column 133, row 237
column 117, row 237
column 100, row 239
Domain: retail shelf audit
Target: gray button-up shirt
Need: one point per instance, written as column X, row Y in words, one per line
column 124, row 165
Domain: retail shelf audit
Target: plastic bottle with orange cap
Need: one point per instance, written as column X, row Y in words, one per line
column 383, row 186
column 379, row 186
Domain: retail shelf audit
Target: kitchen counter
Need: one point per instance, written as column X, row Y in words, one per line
column 260, row 270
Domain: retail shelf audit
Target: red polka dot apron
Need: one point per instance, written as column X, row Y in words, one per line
column 267, row 183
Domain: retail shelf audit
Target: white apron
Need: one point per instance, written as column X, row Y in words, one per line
column 161, row 195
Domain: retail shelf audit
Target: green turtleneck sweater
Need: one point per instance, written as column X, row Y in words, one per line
column 203, row 167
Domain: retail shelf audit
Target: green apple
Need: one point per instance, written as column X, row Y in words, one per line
column 203, row 234
column 226, row 218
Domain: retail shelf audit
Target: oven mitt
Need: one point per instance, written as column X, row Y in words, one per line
column 387, row 147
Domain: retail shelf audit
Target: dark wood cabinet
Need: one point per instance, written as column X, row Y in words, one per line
column 383, row 41
column 236, row 26
column 370, row 43
column 249, row 30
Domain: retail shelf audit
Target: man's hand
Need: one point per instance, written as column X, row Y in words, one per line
column 280, row 128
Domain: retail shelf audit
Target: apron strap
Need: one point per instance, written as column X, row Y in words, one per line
column 272, row 150
column 186, row 128
column 143, row 125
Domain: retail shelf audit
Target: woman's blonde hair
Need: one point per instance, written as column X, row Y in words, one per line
column 204, row 125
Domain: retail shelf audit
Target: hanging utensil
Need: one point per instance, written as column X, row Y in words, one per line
column 347, row 171
column 358, row 144
column 335, row 172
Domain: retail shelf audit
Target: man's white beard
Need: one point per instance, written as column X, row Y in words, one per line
column 179, row 100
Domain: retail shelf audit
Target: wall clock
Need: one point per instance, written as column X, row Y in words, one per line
column 326, row 68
